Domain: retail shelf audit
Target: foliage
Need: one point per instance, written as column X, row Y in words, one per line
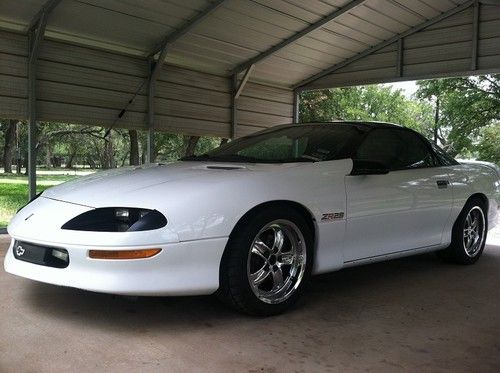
column 465, row 107
column 488, row 148
column 71, row 144
column 365, row 103
column 170, row 147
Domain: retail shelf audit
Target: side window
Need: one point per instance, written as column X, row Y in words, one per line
column 417, row 153
column 396, row 149
column 444, row 159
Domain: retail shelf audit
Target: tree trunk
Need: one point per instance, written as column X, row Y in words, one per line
column 10, row 141
column 108, row 156
column 91, row 163
column 134, row 148
column 436, row 121
column 24, row 162
column 190, row 143
column 48, row 156
column 124, row 159
column 143, row 156
column 71, row 158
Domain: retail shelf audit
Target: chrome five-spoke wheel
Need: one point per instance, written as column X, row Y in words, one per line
column 276, row 261
column 468, row 235
column 268, row 260
column 473, row 233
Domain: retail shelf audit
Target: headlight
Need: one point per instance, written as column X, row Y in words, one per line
column 117, row 219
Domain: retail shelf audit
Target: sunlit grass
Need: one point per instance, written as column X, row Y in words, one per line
column 14, row 192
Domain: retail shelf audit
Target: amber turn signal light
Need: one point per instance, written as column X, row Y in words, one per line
column 123, row 254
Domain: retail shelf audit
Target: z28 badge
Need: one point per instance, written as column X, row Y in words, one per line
column 332, row 216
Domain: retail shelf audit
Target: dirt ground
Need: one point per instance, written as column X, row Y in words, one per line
column 413, row 314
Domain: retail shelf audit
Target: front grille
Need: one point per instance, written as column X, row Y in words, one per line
column 41, row 255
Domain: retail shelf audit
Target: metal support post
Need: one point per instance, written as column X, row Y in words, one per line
column 296, row 104
column 475, row 36
column 400, row 61
column 150, row 153
column 234, row 108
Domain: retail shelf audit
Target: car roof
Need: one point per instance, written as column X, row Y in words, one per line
column 360, row 124
column 363, row 123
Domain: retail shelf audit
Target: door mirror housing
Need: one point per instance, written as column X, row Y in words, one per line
column 362, row 167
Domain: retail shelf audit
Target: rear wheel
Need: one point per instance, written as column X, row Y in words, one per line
column 468, row 235
column 267, row 262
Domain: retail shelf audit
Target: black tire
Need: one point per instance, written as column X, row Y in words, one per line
column 458, row 252
column 235, row 289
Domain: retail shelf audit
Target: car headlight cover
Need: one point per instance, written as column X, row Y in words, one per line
column 117, row 219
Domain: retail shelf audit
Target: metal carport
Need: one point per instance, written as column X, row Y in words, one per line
column 223, row 68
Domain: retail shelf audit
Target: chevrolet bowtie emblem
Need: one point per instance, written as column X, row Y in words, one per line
column 20, row 250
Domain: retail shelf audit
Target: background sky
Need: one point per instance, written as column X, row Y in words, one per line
column 408, row 88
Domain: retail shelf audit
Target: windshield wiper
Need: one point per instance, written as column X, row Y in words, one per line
column 243, row 158
column 222, row 158
column 201, row 157
column 300, row 159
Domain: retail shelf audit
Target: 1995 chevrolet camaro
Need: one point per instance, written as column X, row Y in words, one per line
column 253, row 219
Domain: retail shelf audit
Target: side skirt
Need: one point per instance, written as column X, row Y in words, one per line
column 395, row 255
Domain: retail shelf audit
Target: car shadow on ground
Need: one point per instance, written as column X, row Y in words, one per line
column 336, row 296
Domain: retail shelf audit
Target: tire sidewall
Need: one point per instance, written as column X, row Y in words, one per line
column 238, row 249
column 459, row 251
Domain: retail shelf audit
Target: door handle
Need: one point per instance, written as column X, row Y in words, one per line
column 442, row 184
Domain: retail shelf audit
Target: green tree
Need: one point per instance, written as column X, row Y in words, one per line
column 372, row 102
column 488, row 148
column 463, row 107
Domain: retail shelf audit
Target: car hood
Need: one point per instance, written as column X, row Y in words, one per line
column 129, row 184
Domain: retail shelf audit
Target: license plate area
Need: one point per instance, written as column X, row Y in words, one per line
column 41, row 255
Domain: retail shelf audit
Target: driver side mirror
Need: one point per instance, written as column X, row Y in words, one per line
column 362, row 167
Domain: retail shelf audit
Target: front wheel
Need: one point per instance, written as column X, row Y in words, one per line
column 468, row 235
column 267, row 262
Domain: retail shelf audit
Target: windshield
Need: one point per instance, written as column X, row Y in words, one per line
column 301, row 143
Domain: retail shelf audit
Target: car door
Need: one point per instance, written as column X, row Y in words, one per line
column 404, row 209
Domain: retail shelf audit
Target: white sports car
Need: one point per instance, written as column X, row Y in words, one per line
column 253, row 219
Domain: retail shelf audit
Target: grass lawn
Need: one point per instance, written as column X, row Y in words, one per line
column 14, row 192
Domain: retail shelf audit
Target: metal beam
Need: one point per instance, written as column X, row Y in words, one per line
column 162, row 47
column 234, row 107
column 490, row 2
column 155, row 69
column 400, row 58
column 186, row 27
column 154, row 72
column 36, row 31
column 302, row 85
column 45, row 9
column 298, row 35
column 37, row 36
column 475, row 36
column 244, row 81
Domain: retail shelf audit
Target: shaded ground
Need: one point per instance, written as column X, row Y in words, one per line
column 414, row 314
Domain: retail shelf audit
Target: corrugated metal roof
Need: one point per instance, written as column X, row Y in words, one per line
column 236, row 32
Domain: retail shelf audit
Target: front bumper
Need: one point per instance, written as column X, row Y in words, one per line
column 183, row 268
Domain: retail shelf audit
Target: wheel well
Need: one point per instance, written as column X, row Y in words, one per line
column 482, row 198
column 301, row 209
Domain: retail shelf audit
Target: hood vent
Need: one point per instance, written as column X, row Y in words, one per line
column 227, row 168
